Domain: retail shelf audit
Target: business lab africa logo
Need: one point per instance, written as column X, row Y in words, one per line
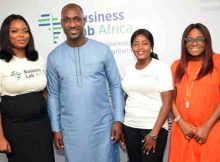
column 52, row 24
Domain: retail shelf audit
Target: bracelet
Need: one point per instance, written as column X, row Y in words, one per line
column 177, row 118
column 153, row 136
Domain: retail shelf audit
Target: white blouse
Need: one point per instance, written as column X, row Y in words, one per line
column 21, row 76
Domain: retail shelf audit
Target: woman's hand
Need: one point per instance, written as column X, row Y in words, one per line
column 4, row 145
column 187, row 129
column 201, row 134
column 149, row 144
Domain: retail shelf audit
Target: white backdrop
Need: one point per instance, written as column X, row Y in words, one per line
column 113, row 22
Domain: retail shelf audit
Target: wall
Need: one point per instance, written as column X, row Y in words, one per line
column 166, row 19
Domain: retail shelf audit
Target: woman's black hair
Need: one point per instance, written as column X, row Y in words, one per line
column 207, row 65
column 149, row 36
column 6, row 52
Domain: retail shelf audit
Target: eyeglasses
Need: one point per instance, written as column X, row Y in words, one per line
column 198, row 40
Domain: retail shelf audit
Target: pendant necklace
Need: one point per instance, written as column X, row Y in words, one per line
column 189, row 86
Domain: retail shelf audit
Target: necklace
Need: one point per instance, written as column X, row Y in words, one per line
column 189, row 86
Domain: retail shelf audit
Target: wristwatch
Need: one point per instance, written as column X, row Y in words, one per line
column 153, row 136
column 177, row 118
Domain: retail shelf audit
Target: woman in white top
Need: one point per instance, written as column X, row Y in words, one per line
column 148, row 86
column 25, row 133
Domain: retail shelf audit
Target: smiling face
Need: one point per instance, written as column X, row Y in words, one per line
column 18, row 34
column 195, row 43
column 141, row 47
column 73, row 23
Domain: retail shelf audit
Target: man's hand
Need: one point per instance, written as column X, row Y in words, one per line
column 116, row 131
column 58, row 140
column 122, row 142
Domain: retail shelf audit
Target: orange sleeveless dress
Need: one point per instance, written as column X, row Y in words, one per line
column 203, row 100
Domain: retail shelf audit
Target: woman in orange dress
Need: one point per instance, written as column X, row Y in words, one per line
column 195, row 134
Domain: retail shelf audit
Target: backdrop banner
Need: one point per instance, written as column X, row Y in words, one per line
column 113, row 22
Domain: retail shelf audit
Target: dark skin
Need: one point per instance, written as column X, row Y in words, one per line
column 116, row 131
column 200, row 133
column 58, row 140
column 4, row 144
column 116, row 134
column 73, row 25
column 142, row 49
column 149, row 143
column 187, row 128
column 17, row 31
